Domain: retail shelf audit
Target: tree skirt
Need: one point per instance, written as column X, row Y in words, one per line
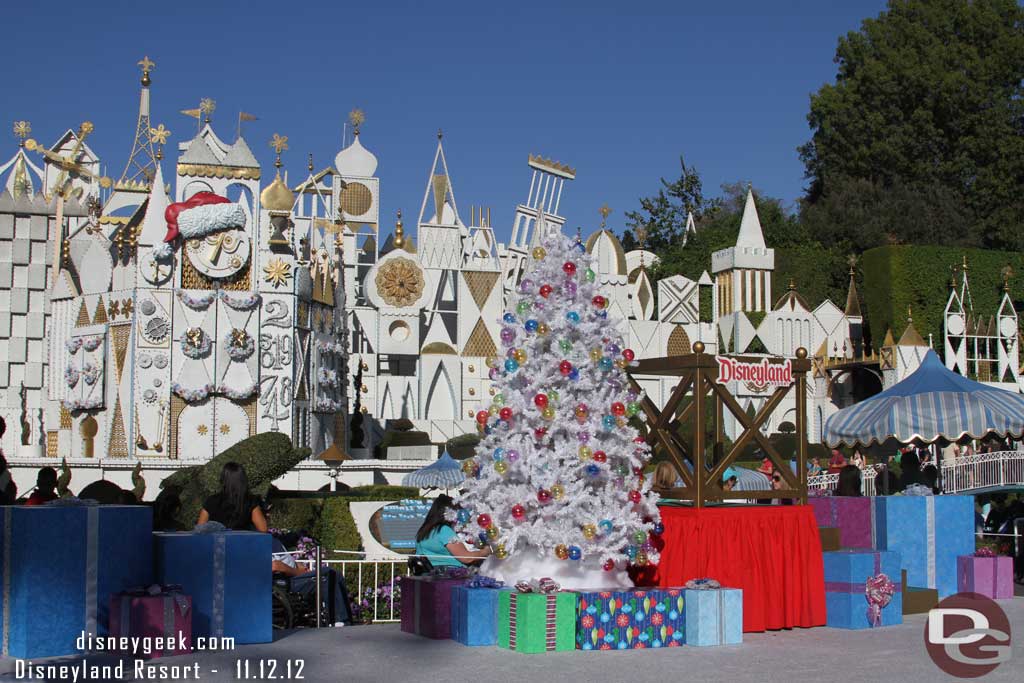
column 570, row 575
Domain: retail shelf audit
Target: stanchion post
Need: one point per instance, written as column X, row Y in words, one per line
column 317, row 578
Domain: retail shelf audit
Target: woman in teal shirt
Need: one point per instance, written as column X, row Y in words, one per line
column 437, row 540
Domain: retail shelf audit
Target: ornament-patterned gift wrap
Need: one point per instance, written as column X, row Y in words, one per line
column 848, row 574
column 630, row 619
column 929, row 533
column 229, row 578
column 166, row 616
column 714, row 617
column 60, row 565
column 850, row 515
column 475, row 615
column 537, row 622
column 426, row 605
column 990, row 576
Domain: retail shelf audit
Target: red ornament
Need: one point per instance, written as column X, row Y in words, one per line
column 518, row 511
column 540, row 400
column 505, row 413
column 628, row 354
column 600, row 456
column 484, row 520
column 540, row 433
column 545, row 290
column 544, row 496
column 618, row 409
column 569, row 268
column 639, row 439
column 637, row 470
column 634, row 496
column 565, row 367
column 482, row 416
column 609, row 565
column 598, row 301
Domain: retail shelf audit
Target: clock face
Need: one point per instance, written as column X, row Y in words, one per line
column 219, row 255
column 156, row 271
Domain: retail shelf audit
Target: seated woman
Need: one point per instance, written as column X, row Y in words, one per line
column 664, row 477
column 849, row 482
column 303, row 582
column 436, row 540
column 233, row 506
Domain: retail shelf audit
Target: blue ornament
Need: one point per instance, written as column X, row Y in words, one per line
column 602, row 314
column 575, row 553
column 482, row 536
column 511, row 365
column 579, row 247
column 573, row 317
column 574, row 374
column 588, row 646
column 508, row 318
column 622, row 645
column 591, row 609
column 627, row 608
column 660, row 607
column 604, row 620
column 499, row 453
column 606, row 364
column 463, row 516
column 612, row 348
column 606, row 526
column 639, row 616
column 531, row 325
column 608, row 421
column 658, row 529
column 593, row 470
column 643, row 636
column 631, row 552
column 677, row 635
column 655, row 643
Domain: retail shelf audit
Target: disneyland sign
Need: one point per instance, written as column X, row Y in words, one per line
column 758, row 376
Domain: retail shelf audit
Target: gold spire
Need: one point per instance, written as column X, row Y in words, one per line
column 911, row 337
column 147, row 65
column 605, row 212
column 22, row 129
column 1007, row 273
column 310, row 164
column 207, row 107
column 792, row 285
column 276, row 196
column 399, row 240
column 356, row 117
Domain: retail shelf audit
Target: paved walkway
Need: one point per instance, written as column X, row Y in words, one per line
column 383, row 653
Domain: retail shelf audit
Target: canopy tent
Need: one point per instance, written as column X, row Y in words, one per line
column 443, row 473
column 932, row 404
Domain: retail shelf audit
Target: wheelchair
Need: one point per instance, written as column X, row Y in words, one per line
column 296, row 609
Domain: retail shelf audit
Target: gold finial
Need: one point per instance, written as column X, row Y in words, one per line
column 158, row 136
column 792, row 284
column 1007, row 273
column 579, row 235
column 207, row 106
column 356, row 117
column 22, row 129
column 910, row 317
column 310, row 164
column 965, row 263
column 85, row 129
column 279, row 143
column 641, row 236
column 147, row 65
column 399, row 240
column 605, row 212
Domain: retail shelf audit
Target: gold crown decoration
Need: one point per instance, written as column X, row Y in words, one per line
column 22, row 130
column 557, row 167
column 147, row 65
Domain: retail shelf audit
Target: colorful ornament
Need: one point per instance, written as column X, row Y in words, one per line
column 631, row 552
column 520, row 356
column 606, row 526
column 531, row 325
column 553, row 395
column 589, row 531
column 619, row 363
column 573, row 317
column 592, row 470
column 499, row 453
column 585, row 453
column 526, row 286
column 482, row 416
column 557, row 491
column 612, row 348
column 658, row 529
column 600, row 456
column 609, row 565
column 581, row 412
column 493, row 410
column 545, row 290
column 539, row 253
column 500, row 552
column 628, row 355
column 511, row 365
column 498, row 400
column 606, row 364
column 501, row 467
column 569, row 268
column 575, row 374
column 632, row 408
column 513, row 455
column 508, row 319
column 561, row 552
column 469, row 467
column 590, row 275
column 634, row 496
column 641, row 558
column 595, row 355
column 484, row 520
column 522, row 307
column 543, row 329
column 618, row 409
column 583, row 436
column 491, row 361
column 543, row 496
column 575, row 553
column 540, row 400
column 540, row 433
column 463, row 516
column 599, row 301
column 565, row 345
column 608, row 422
column 639, row 537
column 565, row 367
column 548, row 413
column 492, row 532
column 518, row 511
column 508, row 335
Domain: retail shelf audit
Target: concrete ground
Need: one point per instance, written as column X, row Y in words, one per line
column 383, row 653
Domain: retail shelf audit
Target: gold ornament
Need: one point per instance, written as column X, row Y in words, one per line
column 400, row 282
column 492, row 532
column 491, row 361
column 589, row 531
column 543, row 329
column 159, row 135
column 595, row 355
column 279, row 143
column 539, row 253
column 500, row 467
column 557, row 491
column 277, row 272
column 500, row 552
column 519, row 355
column 561, row 552
column 620, row 364
column 585, row 453
column 469, row 466
column 494, row 410
column 548, row 413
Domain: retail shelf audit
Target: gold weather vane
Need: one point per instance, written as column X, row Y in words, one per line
column 69, row 164
column 279, row 143
column 22, row 129
column 158, row 136
column 605, row 212
column 207, row 106
column 356, row 117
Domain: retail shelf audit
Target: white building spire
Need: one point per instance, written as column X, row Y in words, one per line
column 751, row 235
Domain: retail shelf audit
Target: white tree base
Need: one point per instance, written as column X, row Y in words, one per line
column 570, row 575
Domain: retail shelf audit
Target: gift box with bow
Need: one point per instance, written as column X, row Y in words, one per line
column 161, row 614
column 862, row 589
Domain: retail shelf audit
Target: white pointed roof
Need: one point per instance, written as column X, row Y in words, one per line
column 355, row 160
column 239, row 154
column 154, row 225
column 751, row 234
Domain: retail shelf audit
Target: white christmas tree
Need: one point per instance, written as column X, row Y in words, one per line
column 556, row 487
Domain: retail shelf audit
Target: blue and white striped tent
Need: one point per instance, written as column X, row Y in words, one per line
column 931, row 404
column 440, row 474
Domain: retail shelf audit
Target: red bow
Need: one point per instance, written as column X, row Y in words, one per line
column 198, row 199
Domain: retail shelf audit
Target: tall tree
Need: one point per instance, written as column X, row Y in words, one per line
column 663, row 216
column 926, row 109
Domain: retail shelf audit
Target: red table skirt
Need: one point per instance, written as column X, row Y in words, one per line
column 772, row 552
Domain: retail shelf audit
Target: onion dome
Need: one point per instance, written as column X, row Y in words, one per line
column 355, row 160
column 276, row 196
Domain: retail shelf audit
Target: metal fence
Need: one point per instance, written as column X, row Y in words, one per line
column 372, row 585
column 966, row 473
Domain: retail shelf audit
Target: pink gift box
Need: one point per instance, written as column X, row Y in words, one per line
column 163, row 620
column 988, row 576
column 427, row 605
column 851, row 515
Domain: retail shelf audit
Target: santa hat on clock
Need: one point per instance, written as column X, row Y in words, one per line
column 200, row 215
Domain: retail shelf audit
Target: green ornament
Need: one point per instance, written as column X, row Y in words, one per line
column 523, row 307
column 631, row 409
column 553, row 396
column 639, row 537
column 499, row 400
column 565, row 345
column 622, row 469
column 590, row 275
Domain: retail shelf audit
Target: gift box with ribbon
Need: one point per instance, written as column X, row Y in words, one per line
column 474, row 614
column 228, row 576
column 630, row 619
column 850, row 515
column 929, row 533
column 60, row 563
column 989, row 575
column 427, row 605
column 863, row 589
column 714, row 616
column 162, row 614
column 537, row 622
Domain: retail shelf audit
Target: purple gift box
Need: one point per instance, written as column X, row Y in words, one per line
column 989, row 576
column 852, row 516
column 427, row 605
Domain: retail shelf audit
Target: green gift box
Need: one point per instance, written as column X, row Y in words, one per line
column 537, row 622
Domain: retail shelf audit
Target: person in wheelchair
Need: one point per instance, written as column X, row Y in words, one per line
column 299, row 586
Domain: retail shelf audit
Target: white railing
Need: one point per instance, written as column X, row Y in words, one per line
column 966, row 473
column 371, row 577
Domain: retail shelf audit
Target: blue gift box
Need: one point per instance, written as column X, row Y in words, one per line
column 714, row 617
column 474, row 614
column 227, row 574
column 630, row 619
column 846, row 575
column 61, row 564
column 929, row 533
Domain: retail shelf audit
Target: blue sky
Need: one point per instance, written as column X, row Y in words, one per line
column 616, row 89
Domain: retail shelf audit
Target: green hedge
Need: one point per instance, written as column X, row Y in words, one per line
column 896, row 277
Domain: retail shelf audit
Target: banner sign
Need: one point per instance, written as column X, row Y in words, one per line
column 757, row 375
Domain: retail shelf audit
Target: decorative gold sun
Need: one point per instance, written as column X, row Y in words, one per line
column 277, row 272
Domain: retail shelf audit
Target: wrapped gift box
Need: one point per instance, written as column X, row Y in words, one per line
column 850, row 515
column 61, row 563
column 989, row 576
column 917, row 600
column 164, row 617
column 474, row 618
column 846, row 575
column 227, row 575
column 630, row 619
column 929, row 533
column 829, row 539
column 714, row 617
column 537, row 622
column 427, row 605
